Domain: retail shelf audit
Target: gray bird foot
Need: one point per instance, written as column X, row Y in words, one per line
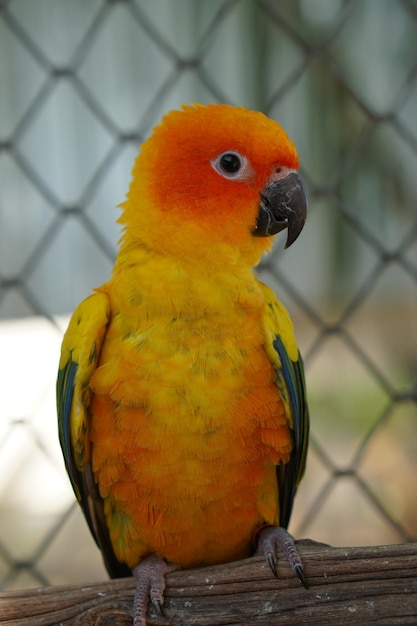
column 271, row 538
column 150, row 585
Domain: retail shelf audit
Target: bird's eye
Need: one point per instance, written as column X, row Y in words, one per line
column 230, row 165
column 230, row 162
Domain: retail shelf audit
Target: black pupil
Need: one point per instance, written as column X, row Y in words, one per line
column 230, row 163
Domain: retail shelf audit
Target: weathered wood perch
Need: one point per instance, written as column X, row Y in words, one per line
column 369, row 585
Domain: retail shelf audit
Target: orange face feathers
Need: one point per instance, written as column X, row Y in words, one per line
column 179, row 189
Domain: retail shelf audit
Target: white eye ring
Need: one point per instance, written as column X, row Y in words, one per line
column 231, row 164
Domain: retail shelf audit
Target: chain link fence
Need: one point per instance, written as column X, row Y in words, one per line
column 81, row 85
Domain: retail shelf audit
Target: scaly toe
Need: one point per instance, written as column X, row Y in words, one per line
column 150, row 585
column 271, row 538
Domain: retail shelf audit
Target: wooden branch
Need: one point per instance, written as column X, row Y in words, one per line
column 375, row 584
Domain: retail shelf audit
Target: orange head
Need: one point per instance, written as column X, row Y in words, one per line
column 206, row 179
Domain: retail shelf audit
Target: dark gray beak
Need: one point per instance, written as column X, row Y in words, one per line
column 283, row 204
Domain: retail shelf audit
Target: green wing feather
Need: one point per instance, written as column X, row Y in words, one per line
column 79, row 358
column 282, row 349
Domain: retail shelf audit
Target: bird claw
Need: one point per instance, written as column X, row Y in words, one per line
column 271, row 560
column 300, row 573
column 157, row 604
column 272, row 537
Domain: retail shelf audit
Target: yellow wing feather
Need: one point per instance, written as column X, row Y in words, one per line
column 277, row 323
column 281, row 348
column 81, row 346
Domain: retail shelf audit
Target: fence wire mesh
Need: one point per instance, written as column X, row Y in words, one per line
column 82, row 84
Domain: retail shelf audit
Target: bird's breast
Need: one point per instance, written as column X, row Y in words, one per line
column 187, row 426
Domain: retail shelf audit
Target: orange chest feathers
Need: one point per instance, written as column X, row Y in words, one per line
column 187, row 426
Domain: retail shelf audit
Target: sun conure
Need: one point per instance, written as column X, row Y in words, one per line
column 181, row 396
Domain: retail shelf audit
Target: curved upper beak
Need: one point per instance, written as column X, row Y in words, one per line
column 283, row 204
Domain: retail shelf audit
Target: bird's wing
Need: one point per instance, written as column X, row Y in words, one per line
column 282, row 350
column 80, row 354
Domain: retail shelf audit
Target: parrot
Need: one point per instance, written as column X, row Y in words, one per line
column 181, row 396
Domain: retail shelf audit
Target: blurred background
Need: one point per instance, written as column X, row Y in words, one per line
column 81, row 85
